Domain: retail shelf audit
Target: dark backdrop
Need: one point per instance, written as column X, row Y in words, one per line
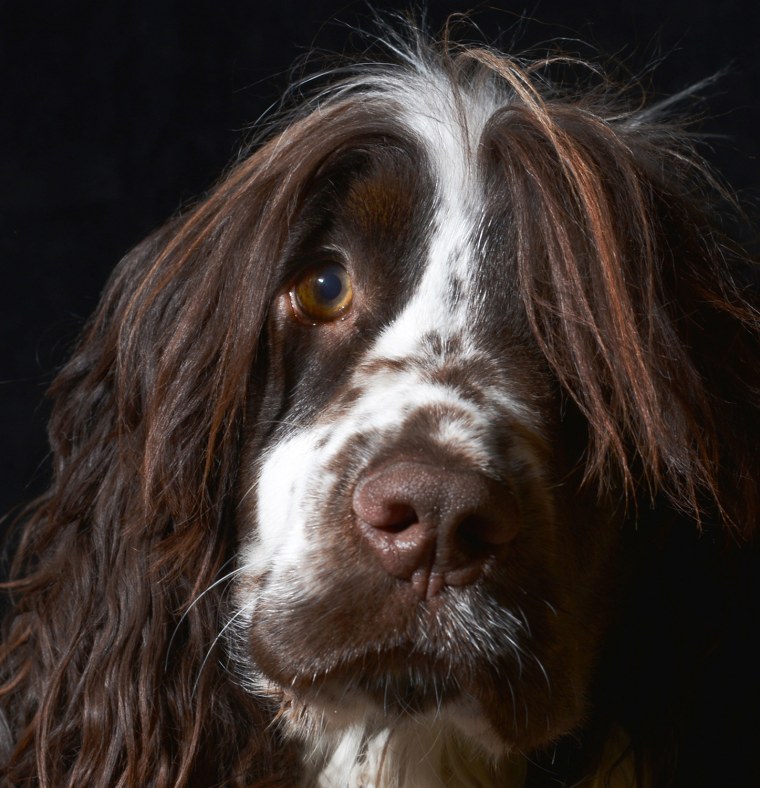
column 113, row 114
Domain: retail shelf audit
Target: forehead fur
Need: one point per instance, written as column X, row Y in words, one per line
column 386, row 200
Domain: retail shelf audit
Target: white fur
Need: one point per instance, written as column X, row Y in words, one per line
column 429, row 754
column 284, row 486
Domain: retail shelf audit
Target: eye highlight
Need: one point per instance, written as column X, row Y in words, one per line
column 323, row 294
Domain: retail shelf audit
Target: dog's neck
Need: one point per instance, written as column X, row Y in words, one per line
column 427, row 756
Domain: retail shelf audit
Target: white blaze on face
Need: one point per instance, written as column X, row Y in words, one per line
column 293, row 475
column 432, row 115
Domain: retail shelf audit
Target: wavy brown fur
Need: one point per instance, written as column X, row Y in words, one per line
column 633, row 296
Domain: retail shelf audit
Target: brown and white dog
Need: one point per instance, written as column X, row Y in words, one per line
column 356, row 460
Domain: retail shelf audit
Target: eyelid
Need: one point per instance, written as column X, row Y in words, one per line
column 301, row 264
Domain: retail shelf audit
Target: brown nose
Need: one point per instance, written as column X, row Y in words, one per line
column 431, row 525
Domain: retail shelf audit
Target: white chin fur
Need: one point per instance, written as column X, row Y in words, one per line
column 413, row 753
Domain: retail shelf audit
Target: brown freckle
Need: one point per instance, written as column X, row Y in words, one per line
column 441, row 347
column 433, row 342
column 460, row 378
column 361, row 441
column 350, row 454
column 350, row 396
column 454, row 290
column 383, row 365
column 454, row 344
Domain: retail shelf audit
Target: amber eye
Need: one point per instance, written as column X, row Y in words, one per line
column 323, row 294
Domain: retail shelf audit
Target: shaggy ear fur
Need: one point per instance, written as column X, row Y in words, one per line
column 642, row 304
column 104, row 654
column 634, row 296
column 131, row 530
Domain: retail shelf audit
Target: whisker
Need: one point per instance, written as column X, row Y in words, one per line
column 195, row 601
column 213, row 645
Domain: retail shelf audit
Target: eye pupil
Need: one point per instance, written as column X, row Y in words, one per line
column 328, row 286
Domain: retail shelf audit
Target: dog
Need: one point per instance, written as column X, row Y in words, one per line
column 363, row 462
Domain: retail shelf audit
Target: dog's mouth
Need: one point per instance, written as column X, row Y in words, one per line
column 392, row 679
column 397, row 683
column 396, row 645
column 399, row 653
column 386, row 657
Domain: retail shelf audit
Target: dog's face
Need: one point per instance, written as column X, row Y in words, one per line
column 414, row 543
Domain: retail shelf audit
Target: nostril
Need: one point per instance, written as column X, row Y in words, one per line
column 384, row 504
column 397, row 517
column 484, row 532
column 471, row 536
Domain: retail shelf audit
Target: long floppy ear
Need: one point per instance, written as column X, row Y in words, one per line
column 634, row 295
column 109, row 648
column 144, row 430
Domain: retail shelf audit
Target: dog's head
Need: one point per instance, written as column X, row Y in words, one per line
column 474, row 317
column 410, row 368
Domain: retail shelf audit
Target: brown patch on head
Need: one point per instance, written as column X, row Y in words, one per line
column 383, row 204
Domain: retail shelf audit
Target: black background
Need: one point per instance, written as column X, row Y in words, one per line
column 114, row 114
